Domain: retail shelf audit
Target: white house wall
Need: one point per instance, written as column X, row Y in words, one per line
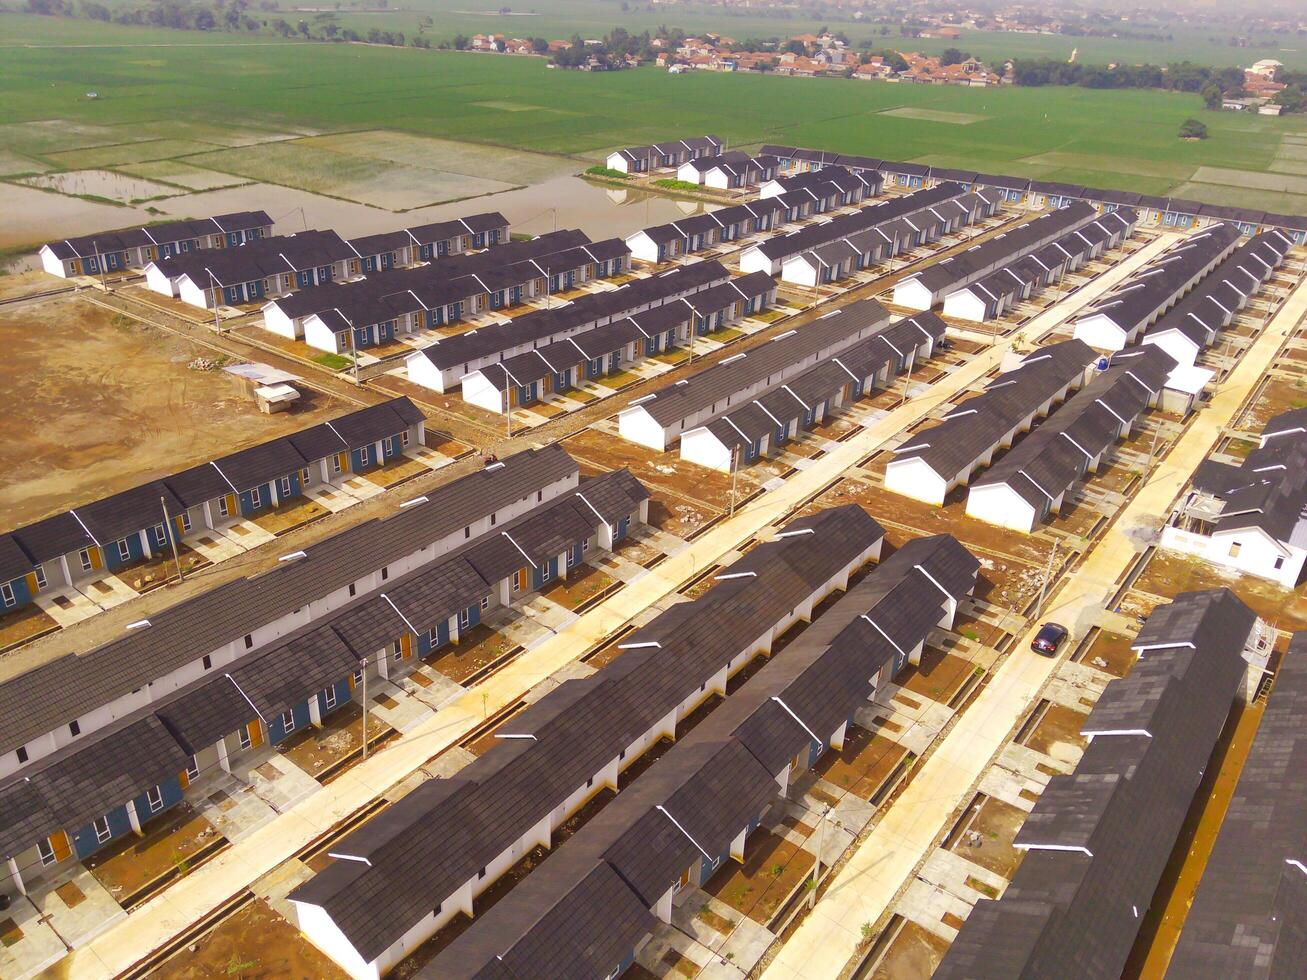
column 998, row 504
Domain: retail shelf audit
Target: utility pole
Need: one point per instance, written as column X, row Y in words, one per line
column 99, row 264
column 816, row 865
column 169, row 530
column 1044, row 583
column 735, row 469
column 365, row 707
column 213, row 285
column 354, row 353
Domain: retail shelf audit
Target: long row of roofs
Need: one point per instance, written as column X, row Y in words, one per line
column 108, row 519
column 92, row 775
column 1025, row 185
column 587, row 910
column 425, row 850
column 1098, row 840
column 41, row 699
column 461, row 352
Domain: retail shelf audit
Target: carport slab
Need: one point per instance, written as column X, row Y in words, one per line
column 77, row 906
column 38, row 948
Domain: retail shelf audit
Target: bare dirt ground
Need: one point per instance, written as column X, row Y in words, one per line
column 102, row 406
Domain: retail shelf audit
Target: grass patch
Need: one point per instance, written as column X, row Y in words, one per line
column 337, row 362
column 677, row 185
column 607, row 172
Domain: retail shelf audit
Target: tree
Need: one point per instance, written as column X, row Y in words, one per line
column 281, row 27
column 461, row 42
column 1291, row 99
column 1211, row 95
column 951, row 56
column 1192, row 129
column 539, row 45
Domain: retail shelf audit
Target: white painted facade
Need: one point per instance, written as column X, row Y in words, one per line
column 1249, row 550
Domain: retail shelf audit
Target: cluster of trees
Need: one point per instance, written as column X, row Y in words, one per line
column 1213, row 85
column 612, row 48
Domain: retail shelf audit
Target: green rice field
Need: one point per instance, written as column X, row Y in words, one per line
column 343, row 119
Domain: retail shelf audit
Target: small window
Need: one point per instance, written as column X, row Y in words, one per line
column 365, row 456
column 102, row 831
column 467, row 533
column 385, row 573
column 244, row 737
column 22, row 754
column 436, row 910
column 304, row 475
column 1234, row 549
column 186, row 520
column 517, row 584
column 75, row 728
column 207, row 662
column 585, row 546
column 288, row 721
column 223, row 507
column 485, row 603
column 256, row 497
column 571, row 558
column 249, row 641
column 1279, row 563
column 464, row 619
column 7, row 595
column 589, row 782
column 358, row 676
column 403, row 438
column 154, row 797
column 335, row 463
column 285, row 486
column 329, row 697
column 160, row 533
column 540, row 496
column 46, row 850
column 124, row 549
column 494, row 519
column 192, row 768
column 481, row 874
column 353, row 590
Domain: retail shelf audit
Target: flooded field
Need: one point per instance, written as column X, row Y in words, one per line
column 34, row 216
column 102, row 183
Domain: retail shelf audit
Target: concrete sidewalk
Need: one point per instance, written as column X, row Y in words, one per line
column 866, row 888
column 155, row 923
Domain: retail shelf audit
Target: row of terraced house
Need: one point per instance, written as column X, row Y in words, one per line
column 95, row 745
column 116, row 532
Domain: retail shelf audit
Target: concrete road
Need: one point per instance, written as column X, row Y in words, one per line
column 868, row 885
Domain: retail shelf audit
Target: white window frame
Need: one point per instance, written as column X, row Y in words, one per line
column 464, row 620
column 517, row 583
column 39, row 573
column 404, row 438
column 243, row 737
column 335, row 463
column 329, row 696
column 124, row 549
column 185, row 517
column 102, row 834
column 585, row 546
column 571, row 558
column 223, row 509
column 46, row 850
column 154, row 799
column 7, row 595
column 285, row 486
column 192, row 768
column 485, row 603
column 365, row 456
column 358, row 675
column 546, row 573
column 256, row 497
column 161, row 532
column 288, row 721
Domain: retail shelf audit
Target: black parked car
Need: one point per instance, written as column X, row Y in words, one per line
column 1049, row 638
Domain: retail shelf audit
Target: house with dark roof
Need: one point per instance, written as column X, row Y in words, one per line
column 766, row 423
column 1249, row 517
column 443, row 364
column 296, row 682
column 114, row 533
column 1120, row 318
column 259, row 270
column 926, row 289
column 934, row 459
column 45, row 708
column 399, row 879
column 442, row 238
column 135, row 248
column 1247, row 918
column 1191, row 325
column 1031, row 481
column 1097, row 842
column 698, row 807
column 658, row 156
column 995, row 293
column 660, row 419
